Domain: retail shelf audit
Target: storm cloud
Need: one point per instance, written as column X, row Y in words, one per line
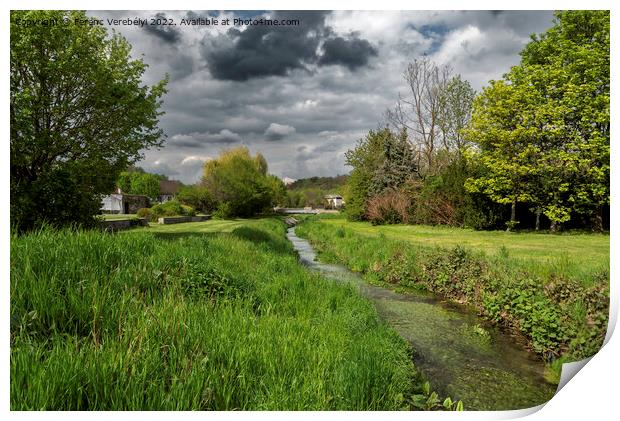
column 264, row 50
column 352, row 52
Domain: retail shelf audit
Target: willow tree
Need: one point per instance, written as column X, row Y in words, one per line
column 79, row 115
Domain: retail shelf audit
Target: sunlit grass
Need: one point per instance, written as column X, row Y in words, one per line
column 578, row 255
column 186, row 317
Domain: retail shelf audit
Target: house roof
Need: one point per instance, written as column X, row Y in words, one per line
column 169, row 186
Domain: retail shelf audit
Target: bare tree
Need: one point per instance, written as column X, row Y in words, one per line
column 420, row 110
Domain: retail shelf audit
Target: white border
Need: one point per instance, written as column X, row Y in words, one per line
column 590, row 394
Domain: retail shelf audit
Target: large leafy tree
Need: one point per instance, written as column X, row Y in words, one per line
column 569, row 66
column 544, row 130
column 79, row 115
column 240, row 183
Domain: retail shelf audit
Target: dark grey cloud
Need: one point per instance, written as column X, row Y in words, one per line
column 201, row 140
column 167, row 33
column 263, row 50
column 352, row 52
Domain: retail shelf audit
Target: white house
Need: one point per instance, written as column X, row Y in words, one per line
column 333, row 201
column 118, row 202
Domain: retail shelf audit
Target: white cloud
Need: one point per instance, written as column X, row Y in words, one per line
column 277, row 131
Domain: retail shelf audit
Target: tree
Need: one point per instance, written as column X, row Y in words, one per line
column 78, row 112
column 198, row 197
column 456, row 101
column 503, row 124
column 544, row 130
column 145, row 184
column 365, row 159
column 569, row 65
column 239, row 183
column 397, row 167
column 420, row 110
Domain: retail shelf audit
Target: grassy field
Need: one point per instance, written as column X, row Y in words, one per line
column 117, row 216
column 191, row 317
column 582, row 256
column 553, row 289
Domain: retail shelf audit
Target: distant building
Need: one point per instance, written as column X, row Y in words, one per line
column 333, row 201
column 118, row 202
column 168, row 190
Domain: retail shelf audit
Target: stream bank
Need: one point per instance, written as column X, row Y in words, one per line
column 461, row 354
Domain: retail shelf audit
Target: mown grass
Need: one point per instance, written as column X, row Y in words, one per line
column 560, row 314
column 579, row 255
column 167, row 319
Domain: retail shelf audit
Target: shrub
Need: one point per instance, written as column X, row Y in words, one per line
column 145, row 213
column 389, row 208
column 188, row 210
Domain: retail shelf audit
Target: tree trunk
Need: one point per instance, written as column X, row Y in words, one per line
column 554, row 226
column 597, row 220
column 513, row 215
column 537, row 220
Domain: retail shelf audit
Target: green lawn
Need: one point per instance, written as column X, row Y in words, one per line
column 117, row 216
column 578, row 255
column 210, row 226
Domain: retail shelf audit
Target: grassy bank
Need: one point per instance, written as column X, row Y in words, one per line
column 560, row 313
column 182, row 317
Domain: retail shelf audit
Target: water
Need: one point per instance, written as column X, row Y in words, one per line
column 461, row 355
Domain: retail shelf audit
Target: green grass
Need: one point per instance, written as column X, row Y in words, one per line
column 117, row 216
column 186, row 317
column 582, row 256
column 559, row 309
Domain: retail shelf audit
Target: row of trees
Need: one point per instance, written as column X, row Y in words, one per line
column 537, row 140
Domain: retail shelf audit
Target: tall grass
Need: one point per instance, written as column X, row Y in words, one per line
column 560, row 315
column 221, row 321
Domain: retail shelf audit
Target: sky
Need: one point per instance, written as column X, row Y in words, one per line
column 302, row 95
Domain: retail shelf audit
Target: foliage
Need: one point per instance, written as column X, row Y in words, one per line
column 397, row 166
column 165, row 319
column 240, row 183
column 391, row 207
column 141, row 183
column 145, row 213
column 171, row 208
column 198, row 197
column 455, row 113
column 79, row 113
column 543, row 131
column 366, row 159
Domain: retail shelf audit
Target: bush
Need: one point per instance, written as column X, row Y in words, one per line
column 389, row 208
column 145, row 213
column 188, row 210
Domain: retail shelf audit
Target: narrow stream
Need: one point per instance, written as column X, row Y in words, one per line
column 461, row 354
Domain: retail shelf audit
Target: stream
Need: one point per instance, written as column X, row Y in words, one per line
column 461, row 354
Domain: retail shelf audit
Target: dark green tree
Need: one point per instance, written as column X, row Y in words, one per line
column 398, row 164
column 79, row 115
column 365, row 159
